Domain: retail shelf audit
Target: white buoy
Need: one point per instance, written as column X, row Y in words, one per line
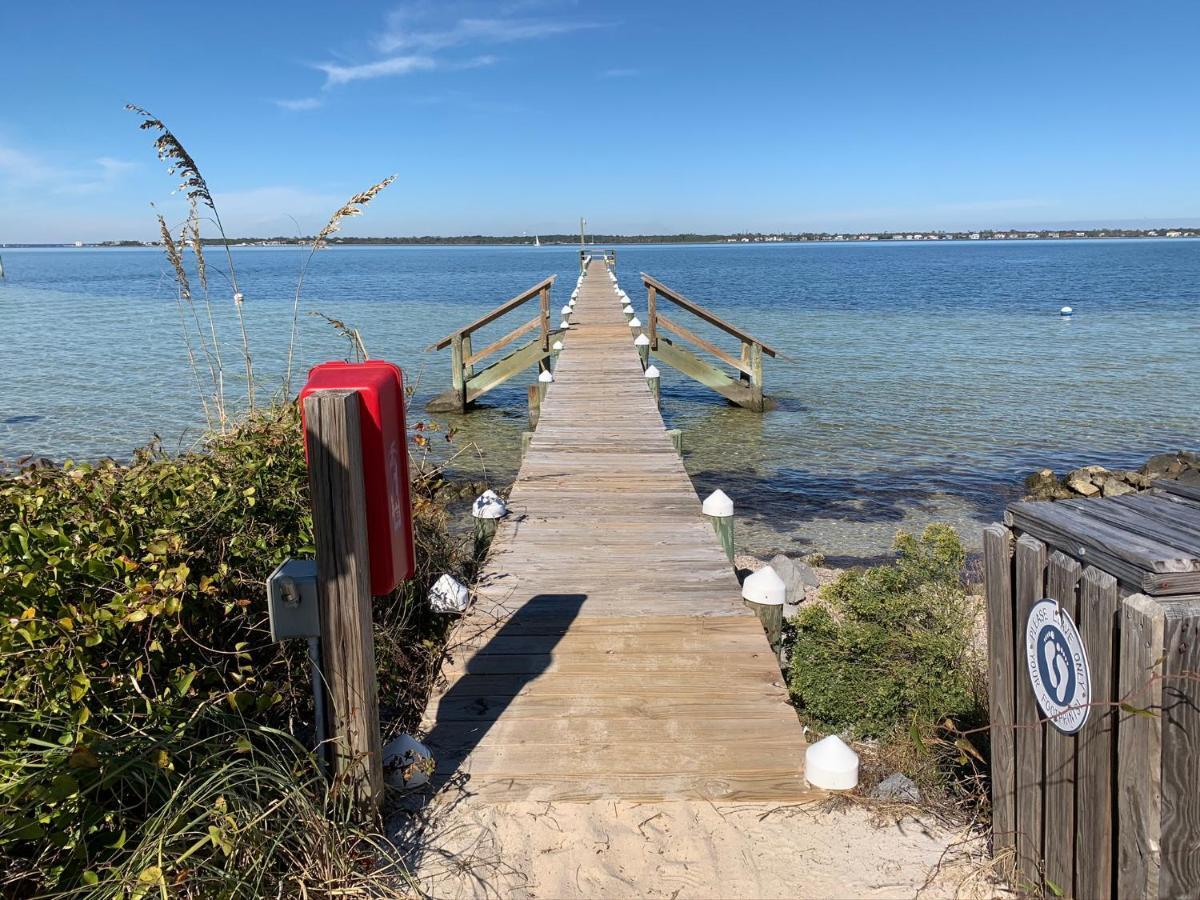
column 489, row 504
column 831, row 765
column 717, row 504
column 764, row 587
column 566, row 310
column 1066, row 312
column 557, row 346
column 448, row 595
column 546, row 377
column 635, row 322
column 407, row 763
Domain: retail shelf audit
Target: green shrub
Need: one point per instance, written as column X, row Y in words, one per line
column 889, row 646
column 137, row 672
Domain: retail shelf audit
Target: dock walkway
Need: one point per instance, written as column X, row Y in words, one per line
column 608, row 653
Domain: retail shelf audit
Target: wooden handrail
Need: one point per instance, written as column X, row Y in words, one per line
column 505, row 307
column 504, row 341
column 716, row 351
column 700, row 312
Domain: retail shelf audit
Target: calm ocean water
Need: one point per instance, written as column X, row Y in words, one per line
column 927, row 378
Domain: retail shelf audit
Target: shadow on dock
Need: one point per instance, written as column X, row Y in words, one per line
column 497, row 671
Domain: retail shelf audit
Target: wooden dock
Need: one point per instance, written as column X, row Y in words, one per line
column 608, row 653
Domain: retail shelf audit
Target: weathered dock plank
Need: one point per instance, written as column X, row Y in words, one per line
column 608, row 653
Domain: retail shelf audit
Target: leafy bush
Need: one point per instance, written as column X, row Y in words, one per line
column 152, row 734
column 890, row 646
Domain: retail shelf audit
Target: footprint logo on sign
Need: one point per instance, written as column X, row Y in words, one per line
column 1056, row 667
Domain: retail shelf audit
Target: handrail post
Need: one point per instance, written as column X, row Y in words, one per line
column 333, row 439
column 652, row 317
column 544, row 301
column 756, row 376
column 458, row 381
column 468, row 369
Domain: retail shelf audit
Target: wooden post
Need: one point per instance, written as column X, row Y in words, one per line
column 458, row 381
column 468, row 369
column 526, row 438
column 719, row 509
column 333, row 439
column 652, row 381
column 676, row 436
column 998, row 568
column 652, row 317
column 756, row 377
column 544, row 304
column 535, row 405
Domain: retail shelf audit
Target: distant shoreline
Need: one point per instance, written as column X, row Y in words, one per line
column 601, row 241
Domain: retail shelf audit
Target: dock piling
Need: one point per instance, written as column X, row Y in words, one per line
column 719, row 509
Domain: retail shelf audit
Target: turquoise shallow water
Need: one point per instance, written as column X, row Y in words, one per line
column 926, row 379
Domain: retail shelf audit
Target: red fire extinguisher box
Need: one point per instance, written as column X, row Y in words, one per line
column 380, row 388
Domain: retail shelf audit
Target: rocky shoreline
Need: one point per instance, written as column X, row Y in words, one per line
column 1097, row 481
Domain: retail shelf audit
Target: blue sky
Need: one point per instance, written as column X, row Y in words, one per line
column 521, row 116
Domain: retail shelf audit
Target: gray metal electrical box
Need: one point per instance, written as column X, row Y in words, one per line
column 292, row 600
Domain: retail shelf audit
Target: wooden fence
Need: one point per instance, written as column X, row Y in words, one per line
column 467, row 383
column 1114, row 809
column 746, row 389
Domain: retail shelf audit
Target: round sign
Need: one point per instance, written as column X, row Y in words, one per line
column 1058, row 666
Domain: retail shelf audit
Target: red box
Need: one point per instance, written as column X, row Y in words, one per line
column 380, row 387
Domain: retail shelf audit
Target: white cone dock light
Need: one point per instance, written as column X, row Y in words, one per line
column 765, row 593
column 407, row 763
column 571, row 303
column 831, row 765
column 628, row 310
column 566, row 310
column 719, row 508
column 635, row 323
column 564, row 325
column 555, row 349
column 643, row 348
column 449, row 595
column 487, row 510
column 652, row 381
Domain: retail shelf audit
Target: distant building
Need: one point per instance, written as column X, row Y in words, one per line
column 974, row 235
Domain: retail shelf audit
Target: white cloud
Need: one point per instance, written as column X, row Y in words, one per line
column 300, row 104
column 495, row 30
column 19, row 166
column 395, row 65
column 272, row 209
column 21, row 169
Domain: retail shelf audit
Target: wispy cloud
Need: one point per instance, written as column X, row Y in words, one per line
column 417, row 35
column 620, row 73
column 300, row 104
column 21, row 169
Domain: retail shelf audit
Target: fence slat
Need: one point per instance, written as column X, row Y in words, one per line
column 1180, row 830
column 1031, row 570
column 1062, row 581
column 1139, row 745
column 998, row 578
column 1098, row 606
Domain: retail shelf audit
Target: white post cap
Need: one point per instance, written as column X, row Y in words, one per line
column 566, row 310
column 635, row 322
column 448, row 595
column 546, row 377
column 557, row 345
column 641, row 341
column 765, row 587
column 407, row 763
column 564, row 324
column 830, row 764
column 574, row 293
column 571, row 303
column 628, row 310
column 717, row 504
column 488, row 505
column 652, row 372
